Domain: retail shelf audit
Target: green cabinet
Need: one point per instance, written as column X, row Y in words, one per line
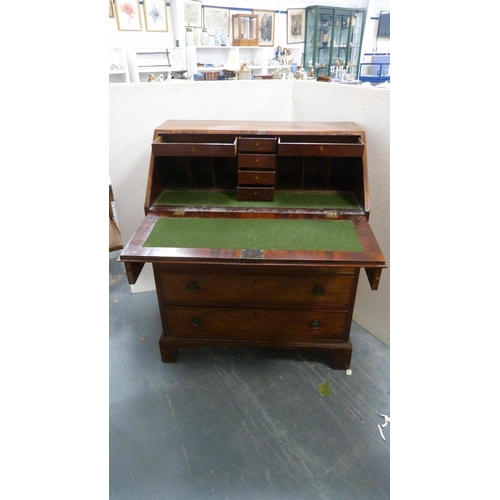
column 333, row 38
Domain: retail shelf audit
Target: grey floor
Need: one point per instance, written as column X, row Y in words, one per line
column 240, row 424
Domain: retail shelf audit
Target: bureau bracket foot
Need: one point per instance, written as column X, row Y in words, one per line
column 168, row 353
column 340, row 358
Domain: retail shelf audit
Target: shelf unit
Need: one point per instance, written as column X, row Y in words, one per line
column 118, row 67
column 143, row 62
column 376, row 71
column 333, row 37
column 231, row 58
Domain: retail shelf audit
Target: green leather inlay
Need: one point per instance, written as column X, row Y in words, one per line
column 265, row 234
column 281, row 200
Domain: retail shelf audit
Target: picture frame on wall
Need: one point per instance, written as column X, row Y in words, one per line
column 216, row 18
column 192, row 13
column 266, row 27
column 296, row 25
column 128, row 17
column 155, row 15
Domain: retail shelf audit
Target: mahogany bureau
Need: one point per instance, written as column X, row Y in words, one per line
column 257, row 232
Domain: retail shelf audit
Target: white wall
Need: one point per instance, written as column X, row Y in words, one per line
column 135, row 110
column 146, row 39
column 370, row 42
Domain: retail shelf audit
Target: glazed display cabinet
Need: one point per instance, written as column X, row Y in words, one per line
column 333, row 38
column 257, row 233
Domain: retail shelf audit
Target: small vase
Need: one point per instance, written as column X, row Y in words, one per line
column 189, row 37
column 217, row 37
column 205, row 37
column 223, row 38
column 325, row 38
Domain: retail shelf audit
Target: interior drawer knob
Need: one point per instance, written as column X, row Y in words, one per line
column 256, row 160
column 192, row 286
column 315, row 324
column 318, row 290
column 195, row 321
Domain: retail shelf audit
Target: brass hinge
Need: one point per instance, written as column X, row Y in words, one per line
column 332, row 215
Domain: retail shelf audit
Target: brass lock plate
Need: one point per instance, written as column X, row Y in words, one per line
column 251, row 254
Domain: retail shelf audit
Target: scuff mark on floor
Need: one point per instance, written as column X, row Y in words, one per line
column 113, row 280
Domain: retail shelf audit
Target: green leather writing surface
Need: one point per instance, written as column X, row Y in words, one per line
column 281, row 200
column 265, row 234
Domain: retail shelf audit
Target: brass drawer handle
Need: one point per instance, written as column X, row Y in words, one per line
column 192, row 286
column 195, row 321
column 318, row 290
column 193, row 149
column 256, row 160
column 315, row 324
column 321, row 148
column 256, row 177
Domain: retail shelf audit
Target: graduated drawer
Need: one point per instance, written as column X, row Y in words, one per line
column 191, row 145
column 257, row 290
column 256, row 161
column 257, row 178
column 257, row 144
column 253, row 324
column 340, row 146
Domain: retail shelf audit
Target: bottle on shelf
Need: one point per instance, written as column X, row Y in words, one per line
column 189, row 36
column 205, row 37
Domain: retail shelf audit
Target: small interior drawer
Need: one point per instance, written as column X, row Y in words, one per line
column 257, row 144
column 339, row 146
column 193, row 145
column 256, row 178
column 255, row 193
column 256, row 161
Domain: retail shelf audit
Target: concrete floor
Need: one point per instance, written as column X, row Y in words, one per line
column 240, row 424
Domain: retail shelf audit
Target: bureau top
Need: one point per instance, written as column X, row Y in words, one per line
column 248, row 127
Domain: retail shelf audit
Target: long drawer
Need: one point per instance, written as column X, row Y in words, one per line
column 257, row 290
column 171, row 145
column 254, row 324
column 347, row 146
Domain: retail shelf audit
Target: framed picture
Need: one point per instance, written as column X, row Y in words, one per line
column 111, row 12
column 127, row 14
column 155, row 15
column 216, row 18
column 266, row 27
column 296, row 25
column 192, row 13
